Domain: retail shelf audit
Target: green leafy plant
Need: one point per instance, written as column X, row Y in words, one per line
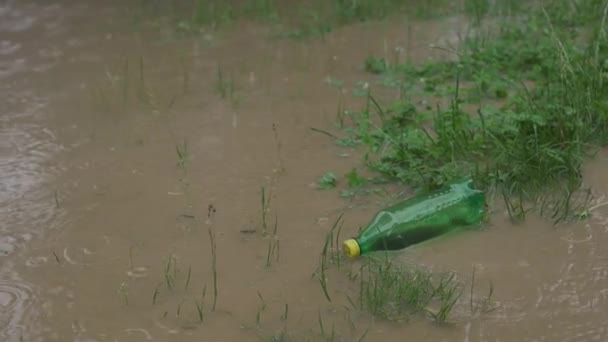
column 541, row 104
column 327, row 181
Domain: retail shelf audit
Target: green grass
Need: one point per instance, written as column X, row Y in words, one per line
column 273, row 253
column 308, row 20
column 125, row 87
column 261, row 308
column 329, row 255
column 200, row 15
column 391, row 291
column 170, row 277
column 155, row 295
column 183, row 155
column 213, row 245
column 327, row 181
column 539, row 108
column 265, row 201
column 277, row 142
column 123, row 292
column 200, row 310
column 485, row 305
column 225, row 85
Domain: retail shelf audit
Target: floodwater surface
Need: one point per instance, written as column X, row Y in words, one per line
column 122, row 147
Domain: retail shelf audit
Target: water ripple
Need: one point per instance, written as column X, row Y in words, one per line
column 7, row 47
column 11, row 67
column 14, row 298
column 18, row 17
column 26, row 148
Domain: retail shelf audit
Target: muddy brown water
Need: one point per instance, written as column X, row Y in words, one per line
column 94, row 205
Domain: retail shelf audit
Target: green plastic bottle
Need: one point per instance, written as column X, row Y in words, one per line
column 419, row 219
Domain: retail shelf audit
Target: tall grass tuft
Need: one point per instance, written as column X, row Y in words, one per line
column 265, row 200
column 210, row 217
column 273, row 245
column 326, row 258
column 225, row 85
column 261, row 308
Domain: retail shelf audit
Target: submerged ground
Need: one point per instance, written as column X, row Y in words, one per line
column 173, row 173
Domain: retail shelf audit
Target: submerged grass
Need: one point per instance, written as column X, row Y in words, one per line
column 486, row 305
column 526, row 105
column 126, row 87
column 391, row 291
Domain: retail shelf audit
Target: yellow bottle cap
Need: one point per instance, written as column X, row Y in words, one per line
column 351, row 248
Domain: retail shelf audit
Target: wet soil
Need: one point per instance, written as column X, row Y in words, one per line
column 104, row 236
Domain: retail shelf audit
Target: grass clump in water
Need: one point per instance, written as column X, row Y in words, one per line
column 391, row 291
column 526, row 105
column 327, row 181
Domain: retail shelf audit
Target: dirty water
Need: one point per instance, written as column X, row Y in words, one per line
column 104, row 237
